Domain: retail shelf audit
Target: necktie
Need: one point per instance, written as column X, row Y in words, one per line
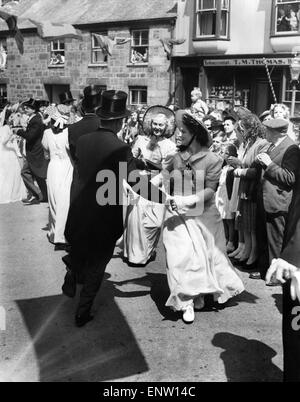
column 271, row 149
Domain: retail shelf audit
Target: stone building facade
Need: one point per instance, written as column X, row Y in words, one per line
column 34, row 74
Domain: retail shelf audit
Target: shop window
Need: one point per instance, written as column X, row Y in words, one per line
column 287, row 17
column 212, row 18
column 139, row 46
column 57, row 56
column 98, row 55
column 3, row 95
column 138, row 96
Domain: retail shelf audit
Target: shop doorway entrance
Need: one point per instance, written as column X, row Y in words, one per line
column 190, row 80
column 263, row 97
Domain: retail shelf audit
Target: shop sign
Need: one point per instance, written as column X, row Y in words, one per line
column 247, row 62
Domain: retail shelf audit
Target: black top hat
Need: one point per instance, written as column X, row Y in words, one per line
column 113, row 105
column 92, row 99
column 66, row 97
column 32, row 104
column 44, row 103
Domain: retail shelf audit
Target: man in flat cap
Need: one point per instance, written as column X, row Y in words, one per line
column 287, row 270
column 280, row 171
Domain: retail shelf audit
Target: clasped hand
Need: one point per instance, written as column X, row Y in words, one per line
column 264, row 159
column 283, row 272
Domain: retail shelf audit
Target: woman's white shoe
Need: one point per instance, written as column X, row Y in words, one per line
column 189, row 314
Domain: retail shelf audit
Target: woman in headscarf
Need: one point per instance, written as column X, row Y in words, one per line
column 193, row 235
column 59, row 175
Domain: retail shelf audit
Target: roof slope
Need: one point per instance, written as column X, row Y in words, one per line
column 81, row 12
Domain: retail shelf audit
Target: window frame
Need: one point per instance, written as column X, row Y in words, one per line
column 97, row 49
column 274, row 14
column 59, row 50
column 139, row 89
column 3, row 87
column 132, row 46
column 218, row 8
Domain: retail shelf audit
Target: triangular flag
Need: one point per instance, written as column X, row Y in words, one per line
column 11, row 21
column 122, row 41
column 168, row 45
column 49, row 30
column 3, row 57
column 105, row 43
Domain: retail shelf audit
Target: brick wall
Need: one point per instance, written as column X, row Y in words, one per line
column 27, row 74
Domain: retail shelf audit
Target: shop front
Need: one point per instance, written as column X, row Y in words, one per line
column 255, row 83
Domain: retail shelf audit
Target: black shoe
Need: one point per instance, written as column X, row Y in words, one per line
column 61, row 247
column 69, row 286
column 255, row 275
column 28, row 199
column 274, row 283
column 35, row 201
column 82, row 319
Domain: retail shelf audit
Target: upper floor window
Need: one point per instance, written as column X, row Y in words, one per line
column 3, row 95
column 138, row 96
column 57, row 52
column 212, row 18
column 3, row 54
column 287, row 16
column 99, row 56
column 139, row 46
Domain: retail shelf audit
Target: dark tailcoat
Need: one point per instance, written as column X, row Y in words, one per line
column 90, row 225
column 274, row 197
column 291, row 309
column 34, row 149
column 88, row 124
column 92, row 229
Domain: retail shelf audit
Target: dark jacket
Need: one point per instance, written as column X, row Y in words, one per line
column 91, row 226
column 279, row 178
column 89, row 123
column 34, row 149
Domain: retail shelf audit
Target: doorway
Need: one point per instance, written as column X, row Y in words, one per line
column 53, row 92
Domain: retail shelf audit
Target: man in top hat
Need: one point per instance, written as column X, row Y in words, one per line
column 280, row 172
column 95, row 223
column 35, row 166
column 88, row 124
column 66, row 98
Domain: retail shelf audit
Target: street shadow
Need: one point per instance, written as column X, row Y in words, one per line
column 247, row 360
column 278, row 301
column 103, row 350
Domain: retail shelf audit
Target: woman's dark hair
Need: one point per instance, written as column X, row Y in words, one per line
column 252, row 128
column 231, row 149
column 56, row 130
column 197, row 129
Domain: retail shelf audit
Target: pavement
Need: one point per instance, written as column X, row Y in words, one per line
column 134, row 337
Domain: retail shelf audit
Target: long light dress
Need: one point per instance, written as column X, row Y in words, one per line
column 144, row 219
column 59, row 180
column 195, row 244
column 12, row 188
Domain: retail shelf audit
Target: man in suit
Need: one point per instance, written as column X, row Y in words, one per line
column 95, row 224
column 35, row 166
column 280, row 171
column 88, row 124
column 287, row 271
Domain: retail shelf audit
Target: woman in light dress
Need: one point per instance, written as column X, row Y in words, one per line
column 59, row 176
column 12, row 188
column 193, row 233
column 144, row 219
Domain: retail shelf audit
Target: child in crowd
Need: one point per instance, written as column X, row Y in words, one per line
column 224, row 194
